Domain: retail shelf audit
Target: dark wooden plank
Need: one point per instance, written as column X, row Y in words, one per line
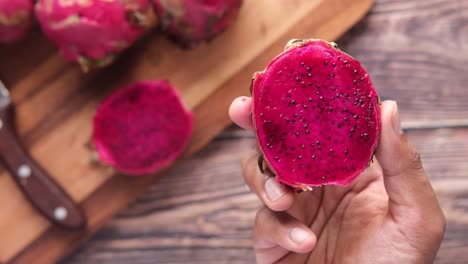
column 415, row 51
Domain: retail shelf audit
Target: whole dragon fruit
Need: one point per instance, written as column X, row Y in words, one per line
column 15, row 19
column 189, row 22
column 94, row 32
column 316, row 114
column 142, row 128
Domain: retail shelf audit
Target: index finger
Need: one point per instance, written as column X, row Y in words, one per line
column 239, row 112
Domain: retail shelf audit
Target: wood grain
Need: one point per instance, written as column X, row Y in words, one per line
column 56, row 103
column 415, row 51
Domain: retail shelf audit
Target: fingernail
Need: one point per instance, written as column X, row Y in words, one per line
column 396, row 120
column 273, row 190
column 298, row 235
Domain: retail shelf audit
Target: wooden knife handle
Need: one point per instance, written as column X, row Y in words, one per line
column 42, row 191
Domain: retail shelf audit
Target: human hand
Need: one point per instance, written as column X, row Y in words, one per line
column 389, row 214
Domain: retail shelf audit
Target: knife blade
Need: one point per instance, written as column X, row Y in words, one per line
column 41, row 190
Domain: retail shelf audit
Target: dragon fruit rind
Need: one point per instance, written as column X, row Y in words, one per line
column 94, row 32
column 189, row 22
column 317, row 115
column 15, row 19
column 142, row 128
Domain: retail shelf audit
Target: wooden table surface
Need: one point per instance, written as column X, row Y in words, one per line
column 201, row 212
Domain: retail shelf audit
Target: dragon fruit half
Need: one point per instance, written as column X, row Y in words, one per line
column 94, row 32
column 189, row 22
column 15, row 19
column 142, row 128
column 316, row 114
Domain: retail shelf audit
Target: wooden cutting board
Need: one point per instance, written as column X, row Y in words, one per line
column 56, row 102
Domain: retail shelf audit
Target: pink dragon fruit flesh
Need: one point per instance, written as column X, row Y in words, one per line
column 189, row 22
column 94, row 32
column 317, row 115
column 15, row 19
column 142, row 128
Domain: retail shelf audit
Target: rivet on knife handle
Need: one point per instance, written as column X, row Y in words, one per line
column 43, row 192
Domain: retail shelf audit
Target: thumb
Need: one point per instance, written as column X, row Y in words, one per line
column 405, row 180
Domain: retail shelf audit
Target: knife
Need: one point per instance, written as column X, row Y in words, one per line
column 40, row 189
